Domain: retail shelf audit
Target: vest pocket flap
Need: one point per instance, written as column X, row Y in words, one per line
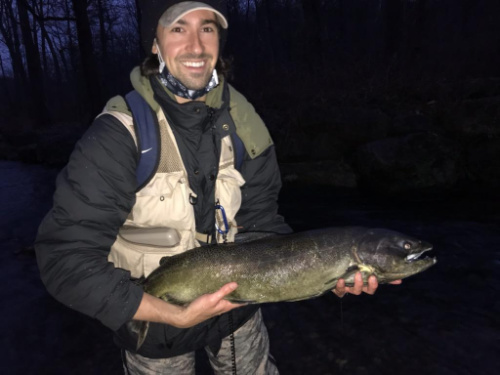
column 162, row 185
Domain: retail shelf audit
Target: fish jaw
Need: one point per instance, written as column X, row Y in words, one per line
column 409, row 269
column 392, row 255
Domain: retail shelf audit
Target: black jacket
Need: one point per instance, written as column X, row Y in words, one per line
column 94, row 195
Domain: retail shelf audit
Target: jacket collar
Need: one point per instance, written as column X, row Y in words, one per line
column 143, row 85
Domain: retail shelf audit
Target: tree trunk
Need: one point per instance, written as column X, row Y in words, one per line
column 8, row 97
column 312, row 19
column 89, row 65
column 37, row 93
column 70, row 43
column 102, row 31
column 55, row 60
column 138, row 14
column 41, row 24
column 393, row 14
column 418, row 32
column 263, row 27
column 8, row 29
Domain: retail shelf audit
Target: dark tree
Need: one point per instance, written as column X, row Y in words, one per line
column 36, row 89
column 393, row 27
column 313, row 27
column 8, row 29
column 89, row 65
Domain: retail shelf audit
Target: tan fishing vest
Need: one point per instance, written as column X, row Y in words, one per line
column 165, row 203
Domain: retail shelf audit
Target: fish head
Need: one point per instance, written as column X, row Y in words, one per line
column 392, row 255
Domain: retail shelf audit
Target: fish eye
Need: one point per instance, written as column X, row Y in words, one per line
column 407, row 246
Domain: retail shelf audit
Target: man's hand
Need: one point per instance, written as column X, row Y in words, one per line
column 341, row 290
column 153, row 309
column 206, row 307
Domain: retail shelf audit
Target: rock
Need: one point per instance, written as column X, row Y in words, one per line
column 480, row 117
column 359, row 125
column 327, row 146
column 331, row 173
column 326, row 133
column 420, row 162
column 483, row 163
column 410, row 123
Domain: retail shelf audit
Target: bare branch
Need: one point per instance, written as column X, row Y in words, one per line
column 39, row 18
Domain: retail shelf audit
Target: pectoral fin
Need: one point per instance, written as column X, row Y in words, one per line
column 241, row 301
column 348, row 276
column 174, row 301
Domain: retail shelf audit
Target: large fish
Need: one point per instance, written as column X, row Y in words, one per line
column 290, row 267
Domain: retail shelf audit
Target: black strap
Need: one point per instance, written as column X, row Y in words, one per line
column 148, row 137
column 239, row 150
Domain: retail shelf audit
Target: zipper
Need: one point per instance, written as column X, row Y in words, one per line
column 211, row 118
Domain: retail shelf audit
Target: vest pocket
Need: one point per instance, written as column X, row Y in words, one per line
column 228, row 190
column 141, row 260
column 164, row 202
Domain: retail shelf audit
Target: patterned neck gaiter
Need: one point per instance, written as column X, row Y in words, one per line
column 177, row 88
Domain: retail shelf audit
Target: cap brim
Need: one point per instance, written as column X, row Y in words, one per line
column 176, row 12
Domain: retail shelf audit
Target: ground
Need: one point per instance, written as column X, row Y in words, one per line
column 443, row 321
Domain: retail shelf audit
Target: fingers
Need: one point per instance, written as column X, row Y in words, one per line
column 224, row 291
column 219, row 301
column 340, row 290
column 207, row 306
column 357, row 288
column 371, row 286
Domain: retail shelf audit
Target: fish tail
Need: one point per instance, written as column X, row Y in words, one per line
column 139, row 328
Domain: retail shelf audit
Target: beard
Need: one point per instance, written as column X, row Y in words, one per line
column 194, row 80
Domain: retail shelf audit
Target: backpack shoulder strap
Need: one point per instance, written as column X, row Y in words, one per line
column 239, row 151
column 148, row 137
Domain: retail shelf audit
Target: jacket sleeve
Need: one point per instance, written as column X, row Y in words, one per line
column 259, row 207
column 94, row 194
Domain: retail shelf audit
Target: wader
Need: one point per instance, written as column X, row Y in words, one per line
column 252, row 356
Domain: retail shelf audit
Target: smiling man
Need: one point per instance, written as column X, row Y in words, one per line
column 215, row 178
column 202, row 191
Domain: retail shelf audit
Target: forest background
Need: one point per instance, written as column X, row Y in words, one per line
column 327, row 76
column 400, row 98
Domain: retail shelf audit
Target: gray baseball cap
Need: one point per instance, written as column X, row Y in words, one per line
column 171, row 10
column 177, row 11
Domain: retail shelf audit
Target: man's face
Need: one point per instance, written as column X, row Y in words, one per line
column 190, row 48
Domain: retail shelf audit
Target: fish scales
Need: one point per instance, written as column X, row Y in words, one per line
column 281, row 268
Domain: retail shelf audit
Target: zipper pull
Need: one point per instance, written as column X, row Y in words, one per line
column 224, row 231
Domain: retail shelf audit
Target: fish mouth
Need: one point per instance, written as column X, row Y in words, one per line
column 413, row 257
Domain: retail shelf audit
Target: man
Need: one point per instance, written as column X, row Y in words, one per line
column 85, row 252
